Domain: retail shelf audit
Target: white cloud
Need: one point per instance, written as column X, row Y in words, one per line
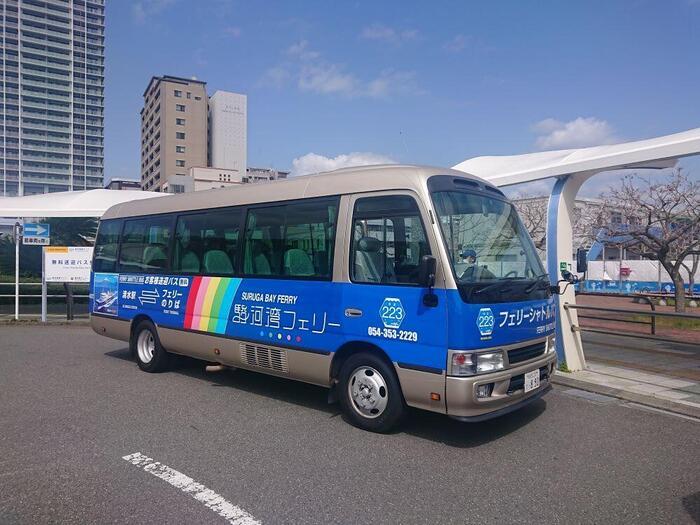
column 577, row 133
column 233, row 31
column 314, row 163
column 302, row 51
column 385, row 33
column 327, row 79
column 144, row 9
column 314, row 74
column 276, row 76
column 456, row 44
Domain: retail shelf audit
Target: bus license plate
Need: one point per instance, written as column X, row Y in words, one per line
column 532, row 380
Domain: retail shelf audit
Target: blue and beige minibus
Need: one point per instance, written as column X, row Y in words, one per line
column 392, row 286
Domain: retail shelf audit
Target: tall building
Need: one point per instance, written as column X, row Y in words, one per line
column 173, row 129
column 227, row 131
column 183, row 129
column 52, row 95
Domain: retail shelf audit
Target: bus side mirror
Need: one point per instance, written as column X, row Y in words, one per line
column 426, row 271
column 426, row 278
column 581, row 260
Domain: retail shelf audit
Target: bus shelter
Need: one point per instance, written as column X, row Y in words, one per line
column 571, row 168
column 88, row 203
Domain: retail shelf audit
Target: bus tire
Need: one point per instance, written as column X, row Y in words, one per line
column 145, row 345
column 370, row 393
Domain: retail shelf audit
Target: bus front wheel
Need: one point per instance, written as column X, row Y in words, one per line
column 370, row 394
column 145, row 345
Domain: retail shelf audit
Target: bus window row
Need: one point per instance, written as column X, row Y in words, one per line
column 294, row 240
column 288, row 240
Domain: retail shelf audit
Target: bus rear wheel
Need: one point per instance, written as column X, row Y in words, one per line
column 145, row 345
column 370, row 394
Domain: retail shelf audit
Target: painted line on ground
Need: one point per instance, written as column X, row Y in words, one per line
column 232, row 513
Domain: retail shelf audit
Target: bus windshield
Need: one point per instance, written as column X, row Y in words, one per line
column 485, row 239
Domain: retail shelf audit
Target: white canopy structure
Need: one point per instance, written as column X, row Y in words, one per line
column 572, row 167
column 89, row 203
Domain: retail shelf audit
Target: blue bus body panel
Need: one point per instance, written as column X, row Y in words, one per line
column 311, row 315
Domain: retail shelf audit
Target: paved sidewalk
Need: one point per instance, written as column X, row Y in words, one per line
column 660, row 375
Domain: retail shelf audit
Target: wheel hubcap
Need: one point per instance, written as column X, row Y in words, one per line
column 368, row 392
column 145, row 346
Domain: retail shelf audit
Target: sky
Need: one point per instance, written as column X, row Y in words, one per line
column 332, row 84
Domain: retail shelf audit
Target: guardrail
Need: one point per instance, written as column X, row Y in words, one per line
column 69, row 296
column 653, row 314
column 651, row 304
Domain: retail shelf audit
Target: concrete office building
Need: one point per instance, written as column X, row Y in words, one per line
column 173, row 129
column 123, row 184
column 228, row 131
column 202, row 178
column 182, row 129
column 51, row 95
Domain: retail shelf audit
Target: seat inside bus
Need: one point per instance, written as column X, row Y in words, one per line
column 371, row 265
column 297, row 262
column 217, row 261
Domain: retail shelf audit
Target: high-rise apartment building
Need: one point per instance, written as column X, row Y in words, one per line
column 173, row 129
column 51, row 95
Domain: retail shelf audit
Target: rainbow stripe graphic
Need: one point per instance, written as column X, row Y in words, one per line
column 209, row 303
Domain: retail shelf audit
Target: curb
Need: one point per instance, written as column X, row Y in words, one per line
column 641, row 399
column 50, row 322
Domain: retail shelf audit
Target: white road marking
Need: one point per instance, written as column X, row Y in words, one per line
column 233, row 514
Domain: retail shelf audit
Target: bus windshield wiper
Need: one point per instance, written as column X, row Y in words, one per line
column 500, row 282
column 538, row 281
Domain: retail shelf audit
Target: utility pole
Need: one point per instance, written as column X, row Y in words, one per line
column 18, row 234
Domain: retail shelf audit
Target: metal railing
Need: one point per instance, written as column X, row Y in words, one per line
column 628, row 311
column 69, row 297
column 651, row 323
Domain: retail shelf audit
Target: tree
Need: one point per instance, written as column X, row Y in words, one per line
column 533, row 213
column 73, row 231
column 661, row 219
column 692, row 269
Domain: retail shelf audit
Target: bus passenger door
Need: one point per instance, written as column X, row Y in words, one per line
column 383, row 303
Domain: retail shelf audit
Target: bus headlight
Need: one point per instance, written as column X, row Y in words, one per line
column 470, row 363
column 552, row 344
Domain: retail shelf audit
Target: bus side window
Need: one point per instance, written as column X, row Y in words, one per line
column 388, row 240
column 207, row 243
column 291, row 240
column 144, row 244
column 106, row 245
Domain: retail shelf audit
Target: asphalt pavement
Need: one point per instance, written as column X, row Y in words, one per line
column 72, row 405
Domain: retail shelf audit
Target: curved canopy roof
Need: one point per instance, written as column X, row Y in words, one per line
column 659, row 152
column 89, row 203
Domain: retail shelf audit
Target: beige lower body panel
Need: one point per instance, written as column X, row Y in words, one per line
column 309, row 367
column 461, row 397
column 109, row 327
column 417, row 387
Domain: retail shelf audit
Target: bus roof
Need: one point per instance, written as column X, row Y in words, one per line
column 338, row 182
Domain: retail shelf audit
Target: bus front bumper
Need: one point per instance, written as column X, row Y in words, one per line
column 506, row 391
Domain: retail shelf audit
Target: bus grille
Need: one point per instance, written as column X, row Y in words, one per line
column 518, row 355
column 264, row 357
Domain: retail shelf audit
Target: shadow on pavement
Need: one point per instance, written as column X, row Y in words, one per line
column 419, row 423
column 691, row 504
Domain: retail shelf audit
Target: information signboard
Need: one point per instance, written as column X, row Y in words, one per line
column 67, row 264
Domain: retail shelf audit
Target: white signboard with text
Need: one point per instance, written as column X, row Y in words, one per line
column 67, row 264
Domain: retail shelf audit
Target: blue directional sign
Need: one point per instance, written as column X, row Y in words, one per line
column 37, row 234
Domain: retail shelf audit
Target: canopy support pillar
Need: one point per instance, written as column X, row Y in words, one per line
column 560, row 218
